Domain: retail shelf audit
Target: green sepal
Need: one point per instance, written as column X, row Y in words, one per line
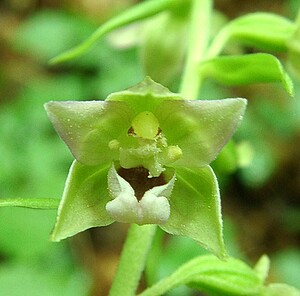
column 212, row 276
column 195, row 209
column 88, row 127
column 136, row 13
column 247, row 69
column 83, row 201
column 145, row 96
column 199, row 128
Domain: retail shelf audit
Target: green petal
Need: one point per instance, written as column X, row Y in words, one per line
column 145, row 96
column 88, row 127
column 195, row 209
column 83, row 202
column 199, row 128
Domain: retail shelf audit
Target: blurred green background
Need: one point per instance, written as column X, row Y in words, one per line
column 259, row 175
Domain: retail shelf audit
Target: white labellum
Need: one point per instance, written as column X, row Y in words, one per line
column 152, row 208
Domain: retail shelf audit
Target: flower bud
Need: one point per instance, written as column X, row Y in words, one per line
column 163, row 45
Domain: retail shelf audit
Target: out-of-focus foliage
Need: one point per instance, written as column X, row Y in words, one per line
column 262, row 196
column 286, row 264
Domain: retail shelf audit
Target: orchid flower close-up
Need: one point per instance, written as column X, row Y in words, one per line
column 142, row 156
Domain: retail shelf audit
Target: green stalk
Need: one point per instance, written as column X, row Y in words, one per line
column 33, row 203
column 136, row 13
column 218, row 43
column 197, row 45
column 133, row 259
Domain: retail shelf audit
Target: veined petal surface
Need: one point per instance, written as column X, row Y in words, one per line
column 83, row 202
column 199, row 128
column 195, row 209
column 87, row 127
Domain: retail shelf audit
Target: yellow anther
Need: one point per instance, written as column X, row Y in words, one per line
column 174, row 153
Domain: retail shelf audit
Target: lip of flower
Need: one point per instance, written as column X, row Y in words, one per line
column 131, row 206
column 145, row 127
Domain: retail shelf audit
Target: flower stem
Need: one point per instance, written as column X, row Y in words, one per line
column 133, row 259
column 33, row 203
column 197, row 45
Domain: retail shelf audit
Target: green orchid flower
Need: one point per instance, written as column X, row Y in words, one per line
column 142, row 156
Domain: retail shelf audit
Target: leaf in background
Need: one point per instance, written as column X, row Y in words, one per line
column 261, row 168
column 265, row 31
column 286, row 266
column 294, row 47
column 48, row 279
column 49, row 32
column 195, row 209
column 33, row 164
column 24, row 233
column 247, row 69
column 213, row 276
column 33, row 161
column 227, row 160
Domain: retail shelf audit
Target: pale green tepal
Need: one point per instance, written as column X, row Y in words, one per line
column 142, row 156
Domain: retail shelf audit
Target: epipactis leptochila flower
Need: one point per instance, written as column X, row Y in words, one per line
column 142, row 156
